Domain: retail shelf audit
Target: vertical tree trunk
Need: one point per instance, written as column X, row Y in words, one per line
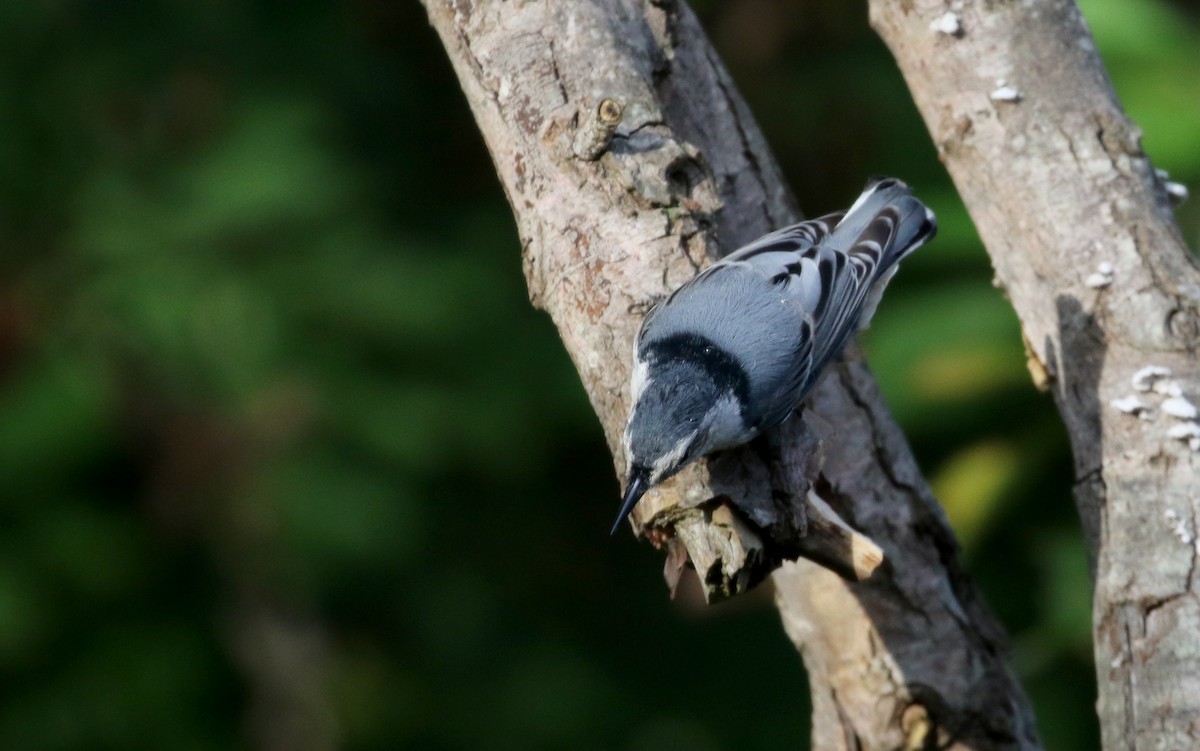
column 1082, row 238
column 630, row 161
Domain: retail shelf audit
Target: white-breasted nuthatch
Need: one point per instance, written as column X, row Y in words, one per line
column 734, row 350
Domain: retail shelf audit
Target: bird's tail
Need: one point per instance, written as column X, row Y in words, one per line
column 886, row 221
column 883, row 226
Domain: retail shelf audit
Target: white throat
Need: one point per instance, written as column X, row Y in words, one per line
column 671, row 459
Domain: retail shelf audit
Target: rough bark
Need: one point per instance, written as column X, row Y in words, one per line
column 630, row 161
column 1082, row 238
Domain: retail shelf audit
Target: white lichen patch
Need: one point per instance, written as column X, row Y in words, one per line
column 1180, row 529
column 947, row 23
column 1144, row 379
column 1179, row 407
column 1005, row 93
column 1130, row 405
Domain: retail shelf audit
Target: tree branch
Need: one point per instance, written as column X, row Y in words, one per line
column 630, row 161
column 1082, row 238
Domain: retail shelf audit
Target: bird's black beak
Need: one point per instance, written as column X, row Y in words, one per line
column 639, row 483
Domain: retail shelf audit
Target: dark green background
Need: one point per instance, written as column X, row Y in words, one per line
column 289, row 462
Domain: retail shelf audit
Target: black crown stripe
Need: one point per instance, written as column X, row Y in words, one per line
column 716, row 361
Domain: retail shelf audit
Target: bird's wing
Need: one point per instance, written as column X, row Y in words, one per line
column 770, row 254
column 835, row 267
column 830, row 272
column 794, row 239
column 841, row 287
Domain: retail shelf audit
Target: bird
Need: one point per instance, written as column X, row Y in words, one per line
column 734, row 350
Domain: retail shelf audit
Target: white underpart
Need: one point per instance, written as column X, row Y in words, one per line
column 640, row 380
column 638, row 383
column 725, row 426
column 671, row 459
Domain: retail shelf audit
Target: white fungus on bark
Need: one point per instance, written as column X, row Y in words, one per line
column 1179, row 407
column 1184, row 431
column 1177, row 193
column 947, row 23
column 1144, row 379
column 1130, row 405
column 1005, row 93
column 1167, row 387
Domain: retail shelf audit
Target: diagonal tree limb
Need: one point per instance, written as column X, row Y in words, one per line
column 630, row 161
column 1082, row 238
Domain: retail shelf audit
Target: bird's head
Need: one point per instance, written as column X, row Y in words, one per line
column 679, row 414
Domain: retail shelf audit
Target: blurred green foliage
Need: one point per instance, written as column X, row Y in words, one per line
column 289, row 461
